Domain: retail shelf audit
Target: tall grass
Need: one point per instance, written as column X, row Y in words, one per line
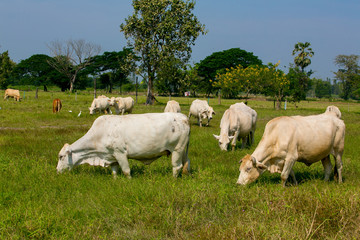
column 87, row 203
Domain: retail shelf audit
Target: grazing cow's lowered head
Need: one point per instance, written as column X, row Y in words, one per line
column 65, row 159
column 250, row 170
column 224, row 141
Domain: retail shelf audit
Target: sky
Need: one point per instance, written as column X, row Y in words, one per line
column 268, row 29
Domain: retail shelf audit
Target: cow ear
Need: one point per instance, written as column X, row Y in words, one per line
column 240, row 161
column 214, row 113
column 216, row 136
column 67, row 148
column 261, row 166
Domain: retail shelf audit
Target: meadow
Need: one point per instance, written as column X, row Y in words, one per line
column 88, row 203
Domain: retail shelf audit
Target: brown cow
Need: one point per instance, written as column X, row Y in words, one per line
column 57, row 105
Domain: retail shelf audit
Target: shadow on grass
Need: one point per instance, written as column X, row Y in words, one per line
column 302, row 177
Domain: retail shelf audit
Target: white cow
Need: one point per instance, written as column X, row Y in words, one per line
column 100, row 104
column 113, row 139
column 172, row 106
column 14, row 93
column 253, row 113
column 235, row 124
column 290, row 139
column 201, row 109
column 122, row 105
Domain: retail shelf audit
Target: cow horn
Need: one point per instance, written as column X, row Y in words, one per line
column 253, row 160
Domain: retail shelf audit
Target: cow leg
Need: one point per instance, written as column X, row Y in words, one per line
column 338, row 167
column 121, row 158
column 327, row 167
column 292, row 174
column 176, row 160
column 289, row 163
column 233, row 143
column 114, row 169
column 123, row 111
column 199, row 120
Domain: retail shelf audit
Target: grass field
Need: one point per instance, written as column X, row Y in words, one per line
column 88, row 203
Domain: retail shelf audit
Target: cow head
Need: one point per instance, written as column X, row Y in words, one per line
column 250, row 170
column 112, row 101
column 65, row 159
column 223, row 141
column 210, row 112
column 92, row 110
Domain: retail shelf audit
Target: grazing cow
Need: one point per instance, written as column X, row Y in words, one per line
column 172, row 106
column 113, row 139
column 122, row 105
column 100, row 104
column 290, row 139
column 334, row 110
column 201, row 109
column 57, row 105
column 235, row 124
column 253, row 113
column 14, row 93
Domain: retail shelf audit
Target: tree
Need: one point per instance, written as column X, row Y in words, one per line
column 302, row 60
column 275, row 83
column 118, row 64
column 348, row 74
column 322, row 88
column 217, row 62
column 37, row 71
column 169, row 77
column 71, row 57
column 160, row 30
column 6, row 67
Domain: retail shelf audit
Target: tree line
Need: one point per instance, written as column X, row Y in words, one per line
column 160, row 36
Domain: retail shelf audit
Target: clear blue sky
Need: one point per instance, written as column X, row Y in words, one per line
column 267, row 28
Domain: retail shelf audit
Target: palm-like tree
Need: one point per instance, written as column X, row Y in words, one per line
column 302, row 60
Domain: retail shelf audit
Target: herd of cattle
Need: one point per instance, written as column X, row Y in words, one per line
column 113, row 139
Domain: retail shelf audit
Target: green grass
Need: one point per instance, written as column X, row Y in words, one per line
column 87, row 203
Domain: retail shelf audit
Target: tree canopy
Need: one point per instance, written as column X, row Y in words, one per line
column 217, row 62
column 160, row 30
column 37, row 71
column 348, row 74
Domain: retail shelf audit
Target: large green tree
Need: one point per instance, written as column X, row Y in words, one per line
column 218, row 62
column 348, row 74
column 161, row 30
column 6, row 67
column 36, row 70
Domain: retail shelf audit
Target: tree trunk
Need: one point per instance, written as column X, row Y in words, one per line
column 72, row 81
column 150, row 96
column 278, row 104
